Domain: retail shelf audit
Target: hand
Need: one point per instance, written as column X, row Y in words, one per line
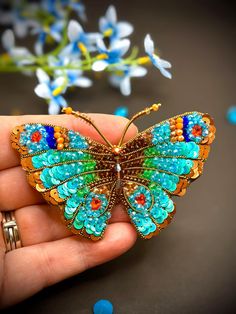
column 50, row 253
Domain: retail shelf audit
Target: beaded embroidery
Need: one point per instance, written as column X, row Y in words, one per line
column 85, row 178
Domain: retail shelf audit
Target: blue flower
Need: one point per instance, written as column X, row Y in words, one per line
column 109, row 26
column 76, row 6
column 51, row 91
column 15, row 17
column 20, row 55
column 79, row 40
column 112, row 55
column 159, row 63
column 122, row 77
column 53, row 31
column 74, row 77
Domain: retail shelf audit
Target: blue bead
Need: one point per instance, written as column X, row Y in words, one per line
column 121, row 111
column 231, row 115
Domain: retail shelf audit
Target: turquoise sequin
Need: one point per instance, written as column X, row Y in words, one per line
column 177, row 166
column 161, row 133
column 188, row 150
column 94, row 221
column 52, row 157
column 77, row 140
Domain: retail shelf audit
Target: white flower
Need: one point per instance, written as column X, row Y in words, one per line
column 20, row 55
column 79, row 40
column 159, row 63
column 112, row 55
column 51, row 91
column 122, row 77
column 109, row 26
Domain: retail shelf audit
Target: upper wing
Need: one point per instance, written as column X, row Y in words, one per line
column 160, row 162
column 71, row 171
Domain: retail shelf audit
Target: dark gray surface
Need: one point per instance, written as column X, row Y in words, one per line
column 190, row 267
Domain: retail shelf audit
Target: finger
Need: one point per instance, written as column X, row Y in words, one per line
column 43, row 223
column 30, row 269
column 14, row 179
column 111, row 126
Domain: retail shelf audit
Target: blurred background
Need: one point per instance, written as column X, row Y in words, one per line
column 190, row 267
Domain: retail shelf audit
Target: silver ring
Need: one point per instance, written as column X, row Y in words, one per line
column 10, row 231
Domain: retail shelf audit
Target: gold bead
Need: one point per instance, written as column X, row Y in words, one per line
column 179, row 132
column 155, row 107
column 179, row 120
column 172, row 133
column 172, row 127
column 57, row 135
column 60, row 140
column 180, row 138
column 179, row 125
column 68, row 110
column 60, row 146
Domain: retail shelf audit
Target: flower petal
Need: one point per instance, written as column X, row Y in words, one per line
column 83, row 82
column 42, row 76
column 21, row 28
column 125, row 86
column 165, row 73
column 102, row 24
column 74, row 29
column 124, row 29
column 99, row 65
column 115, row 80
column 164, row 63
column 101, row 46
column 53, row 108
column 111, row 14
column 61, row 101
column 148, row 44
column 138, row 71
column 43, row 91
column 121, row 45
column 8, row 39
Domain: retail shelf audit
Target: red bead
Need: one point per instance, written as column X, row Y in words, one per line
column 140, row 199
column 36, row 137
column 96, row 203
column 197, row 130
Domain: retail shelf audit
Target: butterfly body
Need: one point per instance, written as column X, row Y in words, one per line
column 86, row 179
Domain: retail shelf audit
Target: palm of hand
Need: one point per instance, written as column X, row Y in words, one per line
column 50, row 252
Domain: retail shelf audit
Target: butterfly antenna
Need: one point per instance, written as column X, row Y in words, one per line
column 148, row 110
column 77, row 114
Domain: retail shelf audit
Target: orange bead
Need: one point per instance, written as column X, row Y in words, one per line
column 60, row 146
column 179, row 120
column 57, row 135
column 179, row 125
column 60, row 140
column 68, row 110
column 180, row 138
column 179, row 132
column 57, row 129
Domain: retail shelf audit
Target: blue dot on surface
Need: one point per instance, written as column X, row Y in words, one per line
column 103, row 307
column 231, row 115
column 121, row 111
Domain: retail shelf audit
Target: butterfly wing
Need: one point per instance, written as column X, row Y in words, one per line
column 160, row 163
column 71, row 171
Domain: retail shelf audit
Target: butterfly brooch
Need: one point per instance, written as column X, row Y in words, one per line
column 86, row 178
